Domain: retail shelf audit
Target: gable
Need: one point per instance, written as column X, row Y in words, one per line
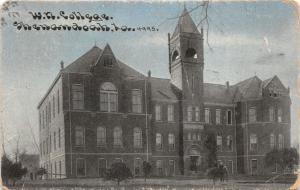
column 275, row 87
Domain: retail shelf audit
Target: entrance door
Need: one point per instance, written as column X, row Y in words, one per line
column 194, row 163
column 254, row 167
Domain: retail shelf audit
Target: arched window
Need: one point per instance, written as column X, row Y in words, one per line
column 219, row 143
column 108, row 97
column 191, row 53
column 272, row 141
column 229, row 142
column 171, row 139
column 280, row 141
column 253, row 142
column 137, row 137
column 158, row 141
column 279, row 115
column 175, row 55
column 117, row 136
column 101, row 136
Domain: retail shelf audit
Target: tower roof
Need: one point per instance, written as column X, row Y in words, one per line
column 185, row 24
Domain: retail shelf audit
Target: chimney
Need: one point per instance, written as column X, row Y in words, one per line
column 61, row 65
column 227, row 85
column 149, row 73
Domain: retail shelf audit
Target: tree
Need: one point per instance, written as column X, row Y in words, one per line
column 118, row 172
column 211, row 146
column 6, row 164
column 285, row 158
column 146, row 169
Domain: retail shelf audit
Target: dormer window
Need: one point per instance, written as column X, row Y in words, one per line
column 191, row 53
column 107, row 62
column 175, row 55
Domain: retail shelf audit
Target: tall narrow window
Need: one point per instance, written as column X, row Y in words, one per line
column 170, row 112
column 58, row 138
column 253, row 142
column 101, row 136
column 207, row 115
column 219, row 142
column 271, row 114
column 58, row 103
column 138, row 167
column 117, row 137
column 197, row 113
column 157, row 112
column 158, row 141
column 171, row 140
column 280, row 141
column 80, row 167
column 136, row 101
column 279, row 115
column 40, row 120
column 77, row 96
column 137, row 137
column 49, row 112
column 79, row 136
column 44, row 116
column 50, row 144
column 229, row 143
column 47, row 117
column 108, row 62
column 218, row 116
column 252, row 115
column 108, row 97
column 229, row 117
column 54, row 141
column 189, row 113
column 272, row 141
column 53, row 106
column 101, row 167
column 159, row 167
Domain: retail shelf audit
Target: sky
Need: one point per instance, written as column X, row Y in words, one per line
column 242, row 39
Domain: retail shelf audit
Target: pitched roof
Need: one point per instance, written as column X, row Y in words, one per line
column 185, row 24
column 217, row 93
column 90, row 58
column 250, row 88
column 162, row 89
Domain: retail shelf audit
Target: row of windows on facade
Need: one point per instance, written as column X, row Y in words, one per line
column 50, row 110
column 102, row 167
column 108, row 98
column 253, row 115
column 272, row 141
column 46, row 145
column 117, row 138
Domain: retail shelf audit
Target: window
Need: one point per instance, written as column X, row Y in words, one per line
column 49, row 112
column 58, row 104
column 252, row 115
column 47, row 116
column 58, row 138
column 159, row 167
column 219, row 142
column 175, row 55
column 218, row 116
column 102, row 164
column 229, row 117
column 171, row 140
column 207, row 115
column 171, row 167
column 108, row 97
column 80, row 167
column 158, row 141
column 59, row 166
column 272, row 141
column 107, row 62
column 189, row 136
column 50, row 144
column 79, row 136
column 230, row 166
column 101, row 136
column 55, row 170
column 271, row 114
column 138, row 167
column 137, row 138
column 189, row 113
column 253, row 142
column 43, row 122
column 279, row 115
column 54, row 140
column 191, row 53
column 77, row 96
column 229, row 142
column 53, row 107
column 157, row 112
column 280, row 141
column 199, row 137
column 170, row 112
column 117, row 136
column 136, row 101
column 197, row 113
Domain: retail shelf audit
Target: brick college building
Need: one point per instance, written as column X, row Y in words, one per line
column 99, row 111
